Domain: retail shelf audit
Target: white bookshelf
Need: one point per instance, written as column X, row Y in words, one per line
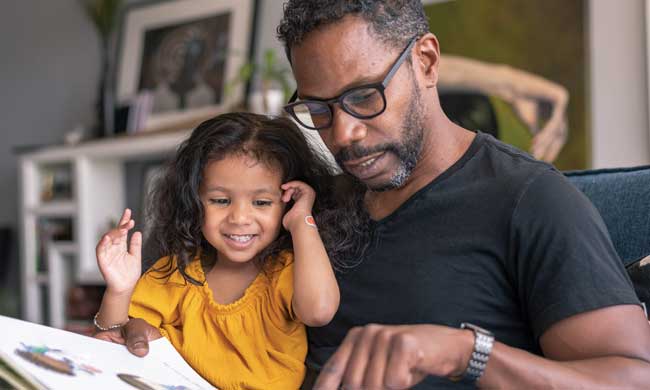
column 98, row 196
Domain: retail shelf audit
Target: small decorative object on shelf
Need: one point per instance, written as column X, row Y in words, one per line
column 104, row 15
column 56, row 182
column 131, row 117
column 56, row 229
column 272, row 80
column 49, row 230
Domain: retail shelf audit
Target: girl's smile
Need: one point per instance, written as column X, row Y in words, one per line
column 240, row 241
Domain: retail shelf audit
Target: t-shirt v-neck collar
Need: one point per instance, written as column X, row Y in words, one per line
column 477, row 142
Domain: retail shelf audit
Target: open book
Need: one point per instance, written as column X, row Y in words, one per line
column 34, row 356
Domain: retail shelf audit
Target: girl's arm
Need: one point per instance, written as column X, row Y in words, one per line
column 121, row 270
column 316, row 293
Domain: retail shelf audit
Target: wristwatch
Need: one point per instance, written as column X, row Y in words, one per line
column 483, row 342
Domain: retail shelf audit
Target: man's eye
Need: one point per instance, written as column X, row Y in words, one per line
column 220, row 201
column 359, row 97
column 262, row 203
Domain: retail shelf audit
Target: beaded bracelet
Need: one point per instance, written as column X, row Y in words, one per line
column 110, row 327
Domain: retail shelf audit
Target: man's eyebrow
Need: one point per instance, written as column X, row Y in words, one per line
column 365, row 80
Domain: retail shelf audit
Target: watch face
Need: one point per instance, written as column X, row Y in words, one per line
column 467, row 325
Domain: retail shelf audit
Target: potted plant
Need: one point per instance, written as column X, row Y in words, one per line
column 104, row 15
column 272, row 83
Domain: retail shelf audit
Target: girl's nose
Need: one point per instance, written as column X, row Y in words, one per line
column 239, row 214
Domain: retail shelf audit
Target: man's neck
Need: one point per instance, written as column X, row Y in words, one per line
column 437, row 156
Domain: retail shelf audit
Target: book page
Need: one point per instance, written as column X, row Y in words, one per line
column 55, row 359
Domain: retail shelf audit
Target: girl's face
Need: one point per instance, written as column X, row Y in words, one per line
column 243, row 207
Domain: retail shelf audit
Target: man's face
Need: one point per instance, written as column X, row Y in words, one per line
column 382, row 151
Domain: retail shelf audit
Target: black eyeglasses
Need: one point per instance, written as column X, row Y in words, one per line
column 363, row 102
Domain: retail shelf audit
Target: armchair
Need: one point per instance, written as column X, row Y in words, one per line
column 622, row 196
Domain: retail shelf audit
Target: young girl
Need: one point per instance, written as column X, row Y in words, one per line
column 246, row 267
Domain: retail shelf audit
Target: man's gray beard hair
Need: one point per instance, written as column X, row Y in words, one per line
column 409, row 149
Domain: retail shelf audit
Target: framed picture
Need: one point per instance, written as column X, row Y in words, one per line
column 184, row 52
column 519, row 71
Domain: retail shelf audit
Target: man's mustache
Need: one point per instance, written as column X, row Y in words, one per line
column 356, row 152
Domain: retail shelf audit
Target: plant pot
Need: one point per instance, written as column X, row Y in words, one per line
column 269, row 103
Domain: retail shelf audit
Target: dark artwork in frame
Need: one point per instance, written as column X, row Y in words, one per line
column 182, row 54
column 184, row 64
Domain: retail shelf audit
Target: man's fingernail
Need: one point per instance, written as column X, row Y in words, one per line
column 139, row 345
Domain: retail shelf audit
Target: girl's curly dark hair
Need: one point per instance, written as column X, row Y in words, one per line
column 176, row 212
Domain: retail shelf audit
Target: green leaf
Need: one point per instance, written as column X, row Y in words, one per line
column 103, row 14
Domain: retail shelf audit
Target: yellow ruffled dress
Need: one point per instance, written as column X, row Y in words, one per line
column 255, row 342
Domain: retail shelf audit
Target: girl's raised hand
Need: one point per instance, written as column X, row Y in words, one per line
column 303, row 196
column 119, row 267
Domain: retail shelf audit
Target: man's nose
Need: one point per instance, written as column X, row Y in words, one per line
column 346, row 129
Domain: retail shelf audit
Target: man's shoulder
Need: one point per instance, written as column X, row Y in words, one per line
column 507, row 164
column 510, row 156
column 496, row 173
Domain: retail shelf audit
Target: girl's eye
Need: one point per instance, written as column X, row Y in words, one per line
column 220, row 201
column 262, row 202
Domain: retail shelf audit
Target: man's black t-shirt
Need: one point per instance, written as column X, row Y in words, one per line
column 499, row 240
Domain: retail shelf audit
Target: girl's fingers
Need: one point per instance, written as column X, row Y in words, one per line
column 288, row 194
column 102, row 244
column 126, row 216
column 116, row 235
column 289, row 184
column 127, row 225
column 294, row 184
column 135, row 246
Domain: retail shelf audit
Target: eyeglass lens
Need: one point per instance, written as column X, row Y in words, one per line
column 361, row 103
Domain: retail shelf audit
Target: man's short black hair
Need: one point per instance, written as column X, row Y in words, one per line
column 393, row 21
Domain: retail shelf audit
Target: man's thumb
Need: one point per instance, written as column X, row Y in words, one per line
column 137, row 337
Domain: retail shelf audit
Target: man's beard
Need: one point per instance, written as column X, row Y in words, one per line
column 407, row 149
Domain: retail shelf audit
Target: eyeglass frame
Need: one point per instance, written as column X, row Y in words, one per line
column 380, row 86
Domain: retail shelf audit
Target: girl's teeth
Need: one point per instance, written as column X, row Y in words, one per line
column 241, row 238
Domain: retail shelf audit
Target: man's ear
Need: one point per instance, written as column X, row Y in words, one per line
column 427, row 58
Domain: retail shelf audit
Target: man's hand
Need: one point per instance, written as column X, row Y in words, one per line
column 135, row 334
column 396, row 357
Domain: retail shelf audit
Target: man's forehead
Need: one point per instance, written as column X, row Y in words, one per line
column 337, row 57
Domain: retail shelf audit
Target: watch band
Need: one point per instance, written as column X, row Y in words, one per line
column 483, row 343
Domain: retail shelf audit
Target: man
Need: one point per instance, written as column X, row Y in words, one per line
column 465, row 230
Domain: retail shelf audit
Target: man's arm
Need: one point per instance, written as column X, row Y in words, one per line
column 604, row 348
